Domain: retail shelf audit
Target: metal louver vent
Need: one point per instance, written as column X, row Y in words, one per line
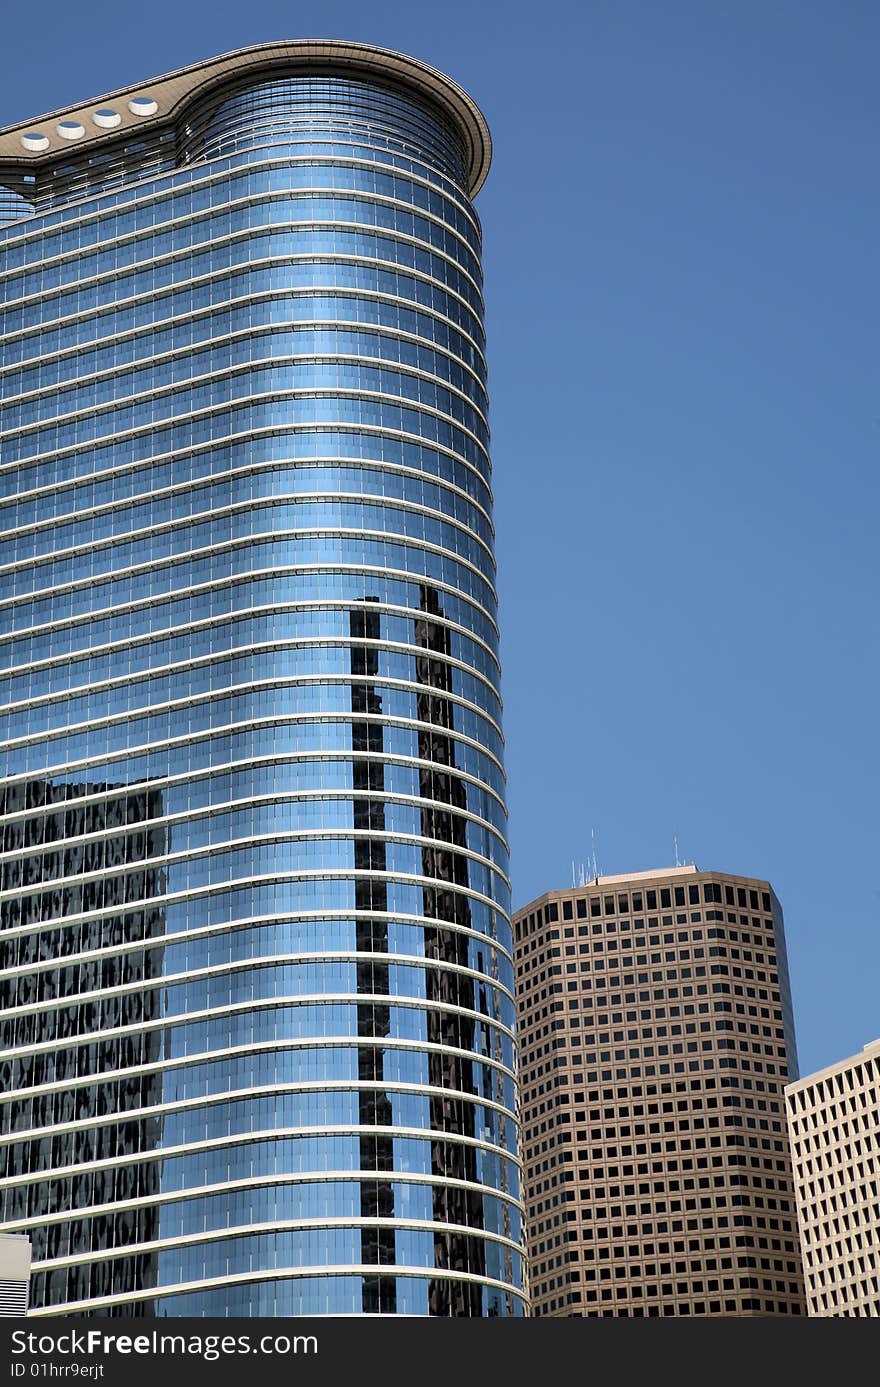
column 13, row 1297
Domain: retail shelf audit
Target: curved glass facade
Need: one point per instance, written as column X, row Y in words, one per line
column 256, row 1037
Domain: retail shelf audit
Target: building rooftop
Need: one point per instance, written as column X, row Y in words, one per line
column 690, row 870
column 148, row 105
column 869, row 1051
column 598, row 881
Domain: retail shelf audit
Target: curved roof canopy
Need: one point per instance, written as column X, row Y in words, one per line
column 153, row 104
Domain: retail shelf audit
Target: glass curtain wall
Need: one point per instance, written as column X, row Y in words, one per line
column 256, row 1017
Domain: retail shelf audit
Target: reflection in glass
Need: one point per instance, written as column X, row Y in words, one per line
column 449, row 1024
column 45, row 825
column 371, row 905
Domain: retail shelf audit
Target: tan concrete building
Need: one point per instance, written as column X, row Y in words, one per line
column 834, row 1126
column 15, row 1271
column 656, row 1039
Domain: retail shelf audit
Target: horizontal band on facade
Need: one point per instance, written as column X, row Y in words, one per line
column 268, row 503
column 402, row 402
column 275, row 1090
column 275, row 645
column 172, row 388
column 282, row 876
column 254, row 963
column 383, row 999
column 106, row 409
column 90, row 479
column 294, row 681
column 268, row 1134
column 250, row 575
column 272, row 759
column 185, row 1240
column 263, row 684
column 210, row 811
column 330, row 1177
column 291, row 258
column 233, row 927
column 386, row 1044
column 160, row 860
column 278, row 759
column 246, row 965
column 335, row 290
column 318, row 754
column 267, row 197
column 293, row 325
column 292, row 720
column 268, row 164
column 251, row 469
column 254, row 469
column 147, row 943
column 221, row 806
column 298, row 150
column 260, row 398
column 241, row 301
column 233, row 237
column 159, row 903
column 280, row 643
column 371, row 1269
column 280, row 431
column 141, row 333
column 255, row 686
column 206, row 735
column 216, row 657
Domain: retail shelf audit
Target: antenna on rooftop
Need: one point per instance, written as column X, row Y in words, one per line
column 678, row 862
column 593, row 861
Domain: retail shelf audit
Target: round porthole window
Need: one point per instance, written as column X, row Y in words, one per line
column 34, row 141
column 70, row 129
column 143, row 106
column 106, row 118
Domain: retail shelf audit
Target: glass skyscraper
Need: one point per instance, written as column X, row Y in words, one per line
column 256, row 1023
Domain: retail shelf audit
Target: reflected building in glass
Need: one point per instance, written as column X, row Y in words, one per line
column 256, row 998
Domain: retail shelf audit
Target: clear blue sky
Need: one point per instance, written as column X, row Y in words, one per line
column 681, row 233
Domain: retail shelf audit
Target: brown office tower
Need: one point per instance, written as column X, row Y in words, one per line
column 656, row 1039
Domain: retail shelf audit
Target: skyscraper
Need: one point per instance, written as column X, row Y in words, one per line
column 257, row 991
column 656, row 1037
column 834, row 1125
